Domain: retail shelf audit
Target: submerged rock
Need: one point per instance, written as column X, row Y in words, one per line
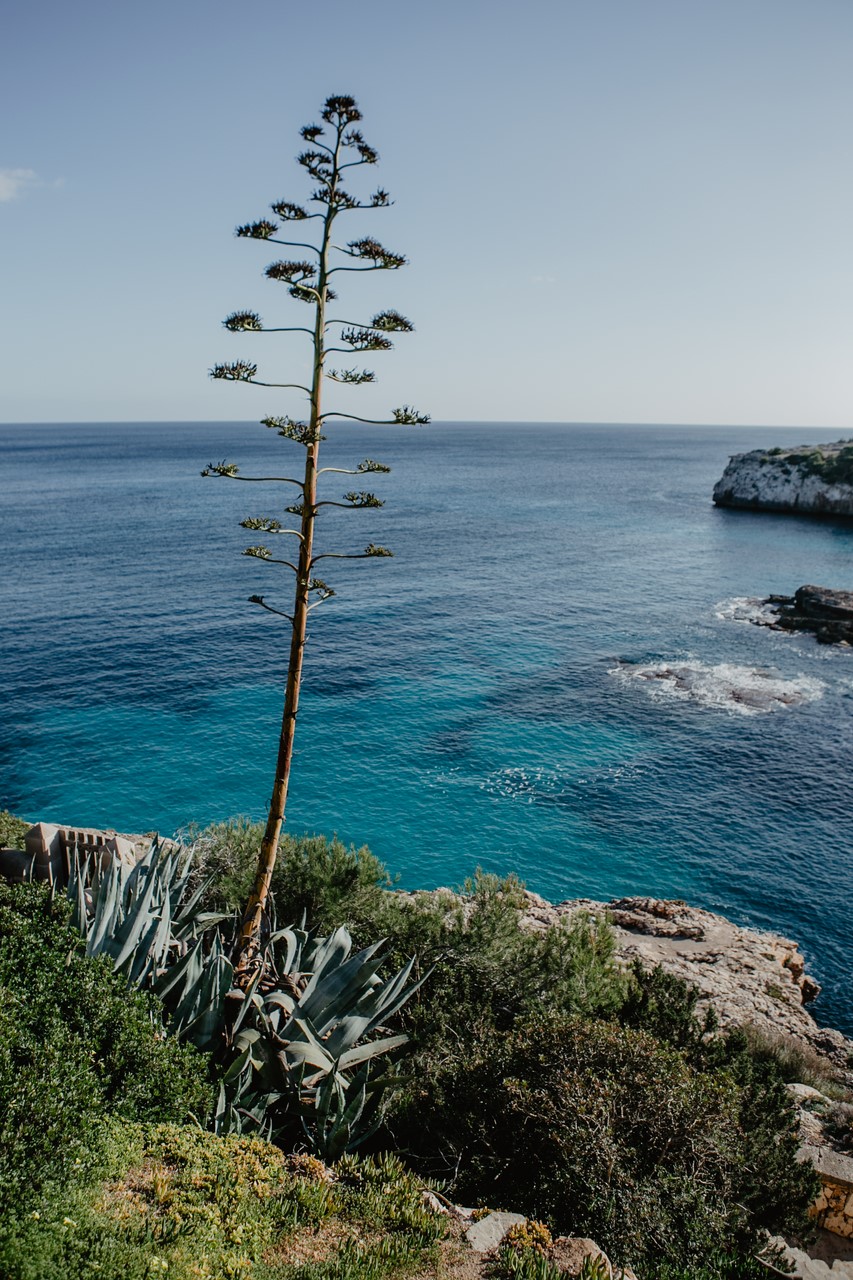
column 808, row 480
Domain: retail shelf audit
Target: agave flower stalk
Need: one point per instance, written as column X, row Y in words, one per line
column 334, row 147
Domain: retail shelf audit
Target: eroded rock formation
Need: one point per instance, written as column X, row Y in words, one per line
column 809, row 480
column 827, row 613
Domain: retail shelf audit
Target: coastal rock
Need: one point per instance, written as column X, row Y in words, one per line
column 486, row 1234
column 825, row 612
column 748, row 976
column 808, row 480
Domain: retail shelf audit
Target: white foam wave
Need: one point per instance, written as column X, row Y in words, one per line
column 746, row 691
column 746, row 609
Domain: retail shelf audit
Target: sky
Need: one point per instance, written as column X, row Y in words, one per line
column 614, row 211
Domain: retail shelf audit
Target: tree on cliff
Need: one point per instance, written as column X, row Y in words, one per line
column 332, row 149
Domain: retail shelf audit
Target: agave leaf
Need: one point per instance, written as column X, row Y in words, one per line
column 362, row 1053
column 178, row 972
column 143, row 958
column 347, row 977
column 105, row 914
column 77, row 894
column 237, row 1066
column 349, row 1030
column 292, row 949
column 248, row 1001
column 394, row 1005
column 280, row 999
column 330, row 955
column 304, row 1051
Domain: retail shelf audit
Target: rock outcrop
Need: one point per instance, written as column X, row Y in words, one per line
column 809, row 480
column 827, row 613
column 749, row 977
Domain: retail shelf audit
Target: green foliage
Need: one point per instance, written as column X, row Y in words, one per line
column 75, row 1047
column 12, row 830
column 665, row 1006
column 523, row 1264
column 295, row 1048
column 180, row 1202
column 489, row 971
column 834, row 468
column 623, row 1139
column 139, row 917
column 320, row 878
column 838, row 469
column 528, row 1235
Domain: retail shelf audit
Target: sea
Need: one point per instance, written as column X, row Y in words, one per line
column 557, row 674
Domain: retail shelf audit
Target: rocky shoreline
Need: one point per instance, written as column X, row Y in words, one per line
column 809, row 480
column 748, row 976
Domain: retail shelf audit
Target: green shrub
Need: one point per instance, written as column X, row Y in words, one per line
column 622, row 1139
column 322, row 878
column 488, row 970
column 75, row 1047
column 665, row 1006
column 12, row 830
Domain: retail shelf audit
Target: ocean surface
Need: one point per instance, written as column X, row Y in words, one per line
column 556, row 675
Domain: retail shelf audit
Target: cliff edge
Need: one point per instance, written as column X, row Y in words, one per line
column 808, row 480
column 750, row 977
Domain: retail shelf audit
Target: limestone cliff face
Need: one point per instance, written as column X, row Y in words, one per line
column 809, row 480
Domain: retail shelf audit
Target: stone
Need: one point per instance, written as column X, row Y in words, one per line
column 749, row 977
column 43, row 843
column 486, row 1235
column 824, row 611
column 15, row 865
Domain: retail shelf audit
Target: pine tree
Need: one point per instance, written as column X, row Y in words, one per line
column 333, row 148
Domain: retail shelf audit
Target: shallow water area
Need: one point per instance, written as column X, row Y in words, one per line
column 460, row 706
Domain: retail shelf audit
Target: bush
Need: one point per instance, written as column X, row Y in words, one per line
column 622, row 1140
column 12, row 830
column 75, row 1047
column 489, row 970
column 325, row 880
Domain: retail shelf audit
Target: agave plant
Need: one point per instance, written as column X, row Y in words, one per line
column 296, row 1045
column 141, row 917
column 294, row 1051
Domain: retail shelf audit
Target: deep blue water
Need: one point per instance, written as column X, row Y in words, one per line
column 495, row 695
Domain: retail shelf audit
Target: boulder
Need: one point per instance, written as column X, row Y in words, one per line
column 824, row 611
column 486, row 1234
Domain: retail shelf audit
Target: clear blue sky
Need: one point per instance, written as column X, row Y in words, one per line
column 615, row 210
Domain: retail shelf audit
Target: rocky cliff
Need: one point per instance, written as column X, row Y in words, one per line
column 809, row 480
column 750, row 977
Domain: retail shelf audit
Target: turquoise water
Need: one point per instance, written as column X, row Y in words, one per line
column 540, row 680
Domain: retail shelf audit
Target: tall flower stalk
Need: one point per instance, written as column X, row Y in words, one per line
column 332, row 149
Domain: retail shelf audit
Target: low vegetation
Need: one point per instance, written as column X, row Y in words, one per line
column 178, row 1202
column 669, row 1144
column 835, row 467
column 12, row 830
